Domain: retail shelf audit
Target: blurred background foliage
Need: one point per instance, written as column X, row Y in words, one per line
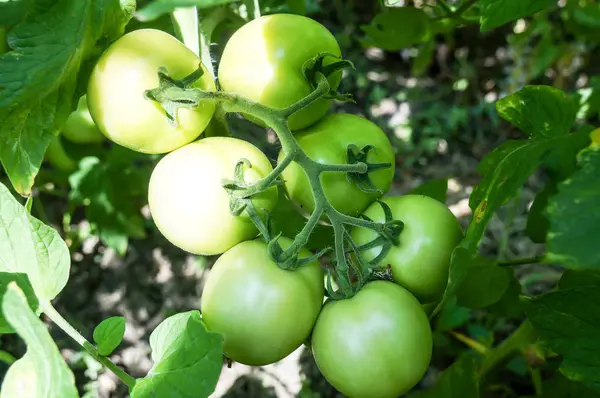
column 429, row 78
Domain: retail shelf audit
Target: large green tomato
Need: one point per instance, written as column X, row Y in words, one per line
column 263, row 61
column 80, row 127
column 188, row 203
column 263, row 312
column 119, row 80
column 431, row 232
column 327, row 142
column 376, row 344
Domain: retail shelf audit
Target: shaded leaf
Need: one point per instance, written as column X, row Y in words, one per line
column 397, row 28
column 187, row 359
column 30, row 247
column 483, row 286
column 109, row 334
column 495, row 13
column 41, row 372
column 574, row 216
column 537, row 222
column 436, row 189
column 459, row 380
column 23, row 283
column 509, row 305
column 561, row 387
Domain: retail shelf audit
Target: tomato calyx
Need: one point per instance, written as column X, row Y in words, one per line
column 171, row 93
column 362, row 180
column 314, row 70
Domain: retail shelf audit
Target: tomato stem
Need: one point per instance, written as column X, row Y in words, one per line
column 62, row 323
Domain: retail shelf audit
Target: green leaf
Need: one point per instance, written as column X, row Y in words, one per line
column 41, row 372
column 561, row 387
column 397, row 28
column 158, row 8
column 297, row 6
column 568, row 322
column 23, row 282
column 579, row 278
column 574, row 216
column 109, row 334
column 509, row 305
column 436, row 189
column 545, row 114
column 459, row 380
column 495, row 13
column 187, row 359
column 423, row 60
column 30, row 247
column 537, row 222
column 39, row 77
column 483, row 286
column 452, row 316
column 12, row 12
column 99, row 187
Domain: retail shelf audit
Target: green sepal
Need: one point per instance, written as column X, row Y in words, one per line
column 165, row 83
column 313, row 70
column 362, row 180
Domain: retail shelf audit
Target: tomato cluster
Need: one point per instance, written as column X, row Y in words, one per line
column 376, row 343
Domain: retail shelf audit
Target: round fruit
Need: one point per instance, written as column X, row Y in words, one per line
column 263, row 61
column 327, row 142
column 431, row 232
column 263, row 312
column 80, row 127
column 376, row 344
column 188, row 202
column 119, row 80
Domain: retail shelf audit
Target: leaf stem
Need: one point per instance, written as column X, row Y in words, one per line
column 62, row 323
column 521, row 261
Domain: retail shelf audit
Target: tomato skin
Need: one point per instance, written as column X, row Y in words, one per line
column 188, row 203
column 327, row 142
column 263, row 312
column 80, row 127
column 263, row 61
column 116, row 89
column 376, row 344
column 431, row 232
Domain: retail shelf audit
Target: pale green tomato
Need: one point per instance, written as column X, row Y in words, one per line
column 263, row 312
column 119, row 80
column 263, row 61
column 188, row 202
column 80, row 127
column 431, row 232
column 376, row 344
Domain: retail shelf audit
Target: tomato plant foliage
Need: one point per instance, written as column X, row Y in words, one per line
column 391, row 266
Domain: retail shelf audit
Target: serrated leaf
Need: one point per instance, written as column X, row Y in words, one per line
column 483, row 286
column 187, row 358
column 113, row 192
column 568, row 321
column 495, row 13
column 23, row 282
column 397, row 28
column 41, row 372
column 158, row 8
column 39, row 78
column 574, row 216
column 109, row 334
column 30, row 247
column 459, row 380
column 436, row 189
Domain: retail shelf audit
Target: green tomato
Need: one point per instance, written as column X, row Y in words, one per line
column 431, row 232
column 263, row 312
column 327, row 142
column 376, row 344
column 263, row 61
column 80, row 127
column 119, row 80
column 190, row 206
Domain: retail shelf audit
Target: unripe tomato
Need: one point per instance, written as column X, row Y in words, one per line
column 80, row 127
column 188, row 202
column 327, row 142
column 376, row 344
column 119, row 80
column 431, row 232
column 263, row 312
column 263, row 61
